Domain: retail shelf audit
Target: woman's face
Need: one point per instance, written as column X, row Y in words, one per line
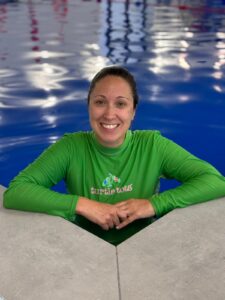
column 111, row 110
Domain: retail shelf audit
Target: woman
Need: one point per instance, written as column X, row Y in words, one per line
column 112, row 173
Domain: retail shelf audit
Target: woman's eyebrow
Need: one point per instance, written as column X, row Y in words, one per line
column 96, row 96
column 122, row 97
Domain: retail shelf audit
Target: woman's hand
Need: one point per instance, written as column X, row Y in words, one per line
column 133, row 209
column 103, row 214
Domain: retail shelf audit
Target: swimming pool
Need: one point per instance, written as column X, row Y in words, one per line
column 49, row 51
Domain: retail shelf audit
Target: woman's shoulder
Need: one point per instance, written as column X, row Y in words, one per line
column 144, row 138
column 145, row 134
column 151, row 137
column 71, row 139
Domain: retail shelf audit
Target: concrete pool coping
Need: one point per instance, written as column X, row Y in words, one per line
column 180, row 256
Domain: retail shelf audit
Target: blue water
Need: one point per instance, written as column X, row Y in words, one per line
column 49, row 51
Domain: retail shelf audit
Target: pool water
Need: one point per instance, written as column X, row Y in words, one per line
column 49, row 51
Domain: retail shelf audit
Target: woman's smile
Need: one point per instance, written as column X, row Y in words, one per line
column 109, row 126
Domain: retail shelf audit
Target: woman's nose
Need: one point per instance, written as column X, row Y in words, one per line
column 109, row 112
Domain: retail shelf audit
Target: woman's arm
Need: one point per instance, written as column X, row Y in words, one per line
column 200, row 181
column 30, row 190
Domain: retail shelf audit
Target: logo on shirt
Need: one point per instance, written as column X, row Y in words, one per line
column 111, row 186
column 110, row 181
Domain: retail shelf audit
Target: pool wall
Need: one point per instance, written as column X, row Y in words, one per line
column 180, row 256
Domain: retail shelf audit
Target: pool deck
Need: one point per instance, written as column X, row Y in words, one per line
column 181, row 256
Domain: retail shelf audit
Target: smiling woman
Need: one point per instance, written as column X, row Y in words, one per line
column 112, row 173
column 111, row 110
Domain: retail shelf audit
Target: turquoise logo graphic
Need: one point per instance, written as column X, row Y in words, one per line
column 110, row 181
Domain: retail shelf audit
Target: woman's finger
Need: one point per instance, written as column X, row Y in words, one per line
column 122, row 204
column 116, row 220
column 123, row 214
column 127, row 221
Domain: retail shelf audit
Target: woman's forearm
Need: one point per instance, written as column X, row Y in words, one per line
column 32, row 197
column 196, row 190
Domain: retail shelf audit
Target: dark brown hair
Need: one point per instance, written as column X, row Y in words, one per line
column 115, row 71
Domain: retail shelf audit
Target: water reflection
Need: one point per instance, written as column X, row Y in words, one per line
column 161, row 34
column 3, row 29
column 123, row 35
column 51, row 120
column 45, row 76
column 60, row 8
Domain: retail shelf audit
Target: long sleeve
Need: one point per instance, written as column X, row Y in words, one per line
column 30, row 190
column 200, row 181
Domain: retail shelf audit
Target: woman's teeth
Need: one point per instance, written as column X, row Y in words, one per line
column 109, row 126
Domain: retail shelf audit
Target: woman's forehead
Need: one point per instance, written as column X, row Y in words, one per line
column 112, row 81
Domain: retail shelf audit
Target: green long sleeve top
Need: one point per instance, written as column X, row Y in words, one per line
column 111, row 175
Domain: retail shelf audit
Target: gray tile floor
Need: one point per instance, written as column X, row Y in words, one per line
column 181, row 256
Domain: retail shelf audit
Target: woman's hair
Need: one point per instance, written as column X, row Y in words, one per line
column 115, row 71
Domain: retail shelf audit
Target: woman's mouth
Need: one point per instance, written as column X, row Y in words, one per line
column 109, row 126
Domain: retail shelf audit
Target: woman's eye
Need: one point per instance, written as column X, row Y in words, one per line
column 121, row 104
column 99, row 102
